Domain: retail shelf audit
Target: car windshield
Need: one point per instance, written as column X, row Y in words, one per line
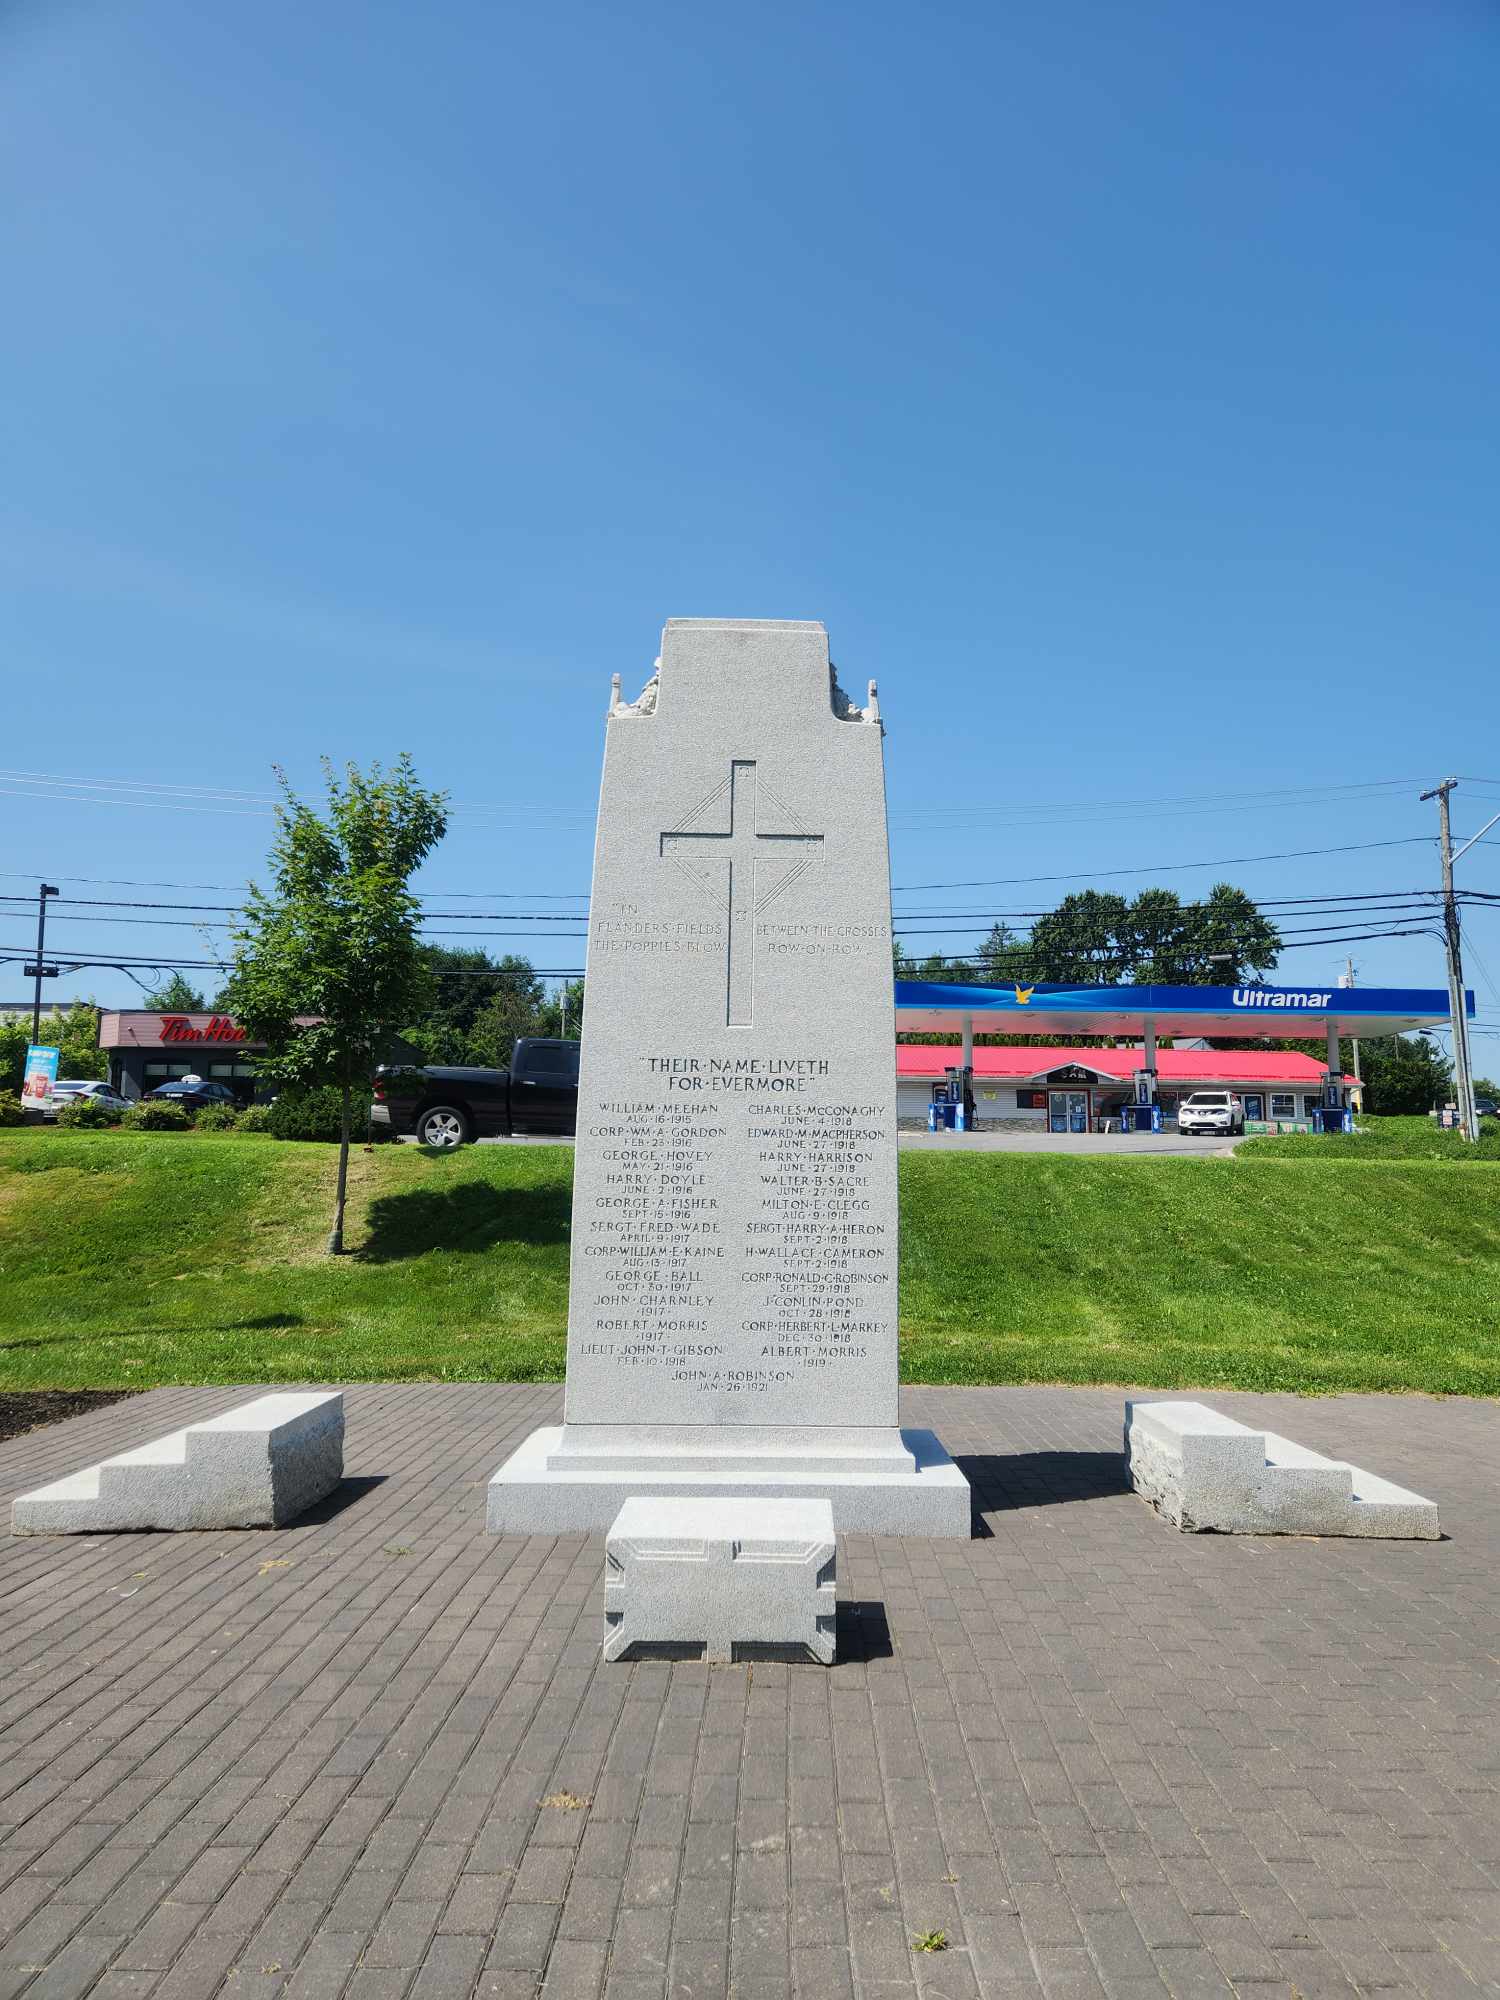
column 1209, row 1097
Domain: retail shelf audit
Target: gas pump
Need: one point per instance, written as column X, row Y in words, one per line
column 1144, row 1113
column 951, row 1105
column 1333, row 1115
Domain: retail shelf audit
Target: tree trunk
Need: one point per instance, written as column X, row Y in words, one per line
column 336, row 1234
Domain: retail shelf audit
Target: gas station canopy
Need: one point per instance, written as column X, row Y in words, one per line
column 923, row 1007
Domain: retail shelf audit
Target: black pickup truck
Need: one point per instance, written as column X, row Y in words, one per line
column 447, row 1107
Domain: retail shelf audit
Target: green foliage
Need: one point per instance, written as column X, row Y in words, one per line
column 126, row 1262
column 86, row 1113
column 327, row 964
column 481, row 1006
column 10, row 1109
column 177, row 996
column 1095, row 938
column 1099, row 938
column 316, row 1114
column 75, row 1033
column 156, row 1115
column 255, row 1118
column 217, row 1118
column 1403, row 1074
column 1383, row 1139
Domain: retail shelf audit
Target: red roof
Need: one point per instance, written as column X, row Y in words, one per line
column 1172, row 1065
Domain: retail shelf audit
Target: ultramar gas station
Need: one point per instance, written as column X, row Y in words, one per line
column 1066, row 1089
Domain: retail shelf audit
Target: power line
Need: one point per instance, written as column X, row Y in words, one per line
column 1163, row 867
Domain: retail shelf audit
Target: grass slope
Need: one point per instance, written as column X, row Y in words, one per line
column 1385, row 1139
column 131, row 1260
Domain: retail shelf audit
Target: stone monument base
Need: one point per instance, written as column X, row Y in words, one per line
column 567, row 1479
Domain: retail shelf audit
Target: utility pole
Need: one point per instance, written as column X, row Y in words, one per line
column 1349, row 982
column 38, row 969
column 1463, row 1076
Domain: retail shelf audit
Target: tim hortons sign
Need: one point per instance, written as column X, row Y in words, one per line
column 220, row 1028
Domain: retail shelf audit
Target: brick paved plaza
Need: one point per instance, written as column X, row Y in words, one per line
column 1098, row 1755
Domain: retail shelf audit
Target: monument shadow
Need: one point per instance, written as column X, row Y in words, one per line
column 470, row 1216
column 1006, row 1482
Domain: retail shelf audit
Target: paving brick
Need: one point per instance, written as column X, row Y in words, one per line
column 1107, row 1757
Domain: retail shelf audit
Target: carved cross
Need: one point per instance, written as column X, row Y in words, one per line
column 742, row 866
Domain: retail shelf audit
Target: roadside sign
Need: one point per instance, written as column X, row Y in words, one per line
column 39, row 1075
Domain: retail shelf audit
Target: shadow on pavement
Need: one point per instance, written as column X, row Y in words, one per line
column 1005, row 1482
column 861, row 1632
column 348, row 1493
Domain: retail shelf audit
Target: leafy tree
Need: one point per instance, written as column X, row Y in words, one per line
column 1486, row 1087
column 1227, row 926
column 75, row 1033
column 1403, row 1074
column 1095, row 938
column 177, row 996
column 328, row 962
column 512, row 1011
column 562, row 1013
column 1080, row 942
column 464, row 982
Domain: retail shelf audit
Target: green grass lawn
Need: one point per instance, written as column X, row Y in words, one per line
column 1385, row 1139
column 134, row 1260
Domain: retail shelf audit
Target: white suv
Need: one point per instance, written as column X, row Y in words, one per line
column 1211, row 1111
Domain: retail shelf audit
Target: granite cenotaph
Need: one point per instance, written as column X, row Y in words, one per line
column 732, row 1316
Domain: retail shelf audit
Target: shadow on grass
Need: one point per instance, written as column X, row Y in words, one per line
column 1005, row 1481
column 265, row 1323
column 471, row 1217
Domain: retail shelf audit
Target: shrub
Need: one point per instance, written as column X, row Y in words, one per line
column 10, row 1109
column 86, row 1113
column 314, row 1114
column 217, row 1118
column 156, row 1115
column 255, row 1118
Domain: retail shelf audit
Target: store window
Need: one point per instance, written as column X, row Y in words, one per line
column 1311, row 1102
column 1031, row 1100
column 1283, row 1104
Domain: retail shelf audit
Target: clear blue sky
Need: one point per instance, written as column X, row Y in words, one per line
column 1118, row 383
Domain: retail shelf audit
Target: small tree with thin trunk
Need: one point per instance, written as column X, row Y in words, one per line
column 327, row 963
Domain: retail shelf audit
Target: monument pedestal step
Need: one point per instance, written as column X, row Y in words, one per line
column 769, row 1451
column 544, row 1490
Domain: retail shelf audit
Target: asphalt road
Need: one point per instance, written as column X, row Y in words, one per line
column 991, row 1142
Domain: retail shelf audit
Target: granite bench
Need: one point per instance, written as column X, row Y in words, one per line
column 1206, row 1472
column 740, row 1578
column 258, row 1466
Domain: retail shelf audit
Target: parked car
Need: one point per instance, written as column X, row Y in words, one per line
column 446, row 1107
column 192, row 1093
column 1486, row 1107
column 1211, row 1111
column 68, row 1089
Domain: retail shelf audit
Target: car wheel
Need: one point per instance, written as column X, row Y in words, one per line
column 442, row 1127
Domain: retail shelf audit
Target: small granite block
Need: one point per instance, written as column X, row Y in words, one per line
column 259, row 1466
column 1206, row 1472
column 724, row 1573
